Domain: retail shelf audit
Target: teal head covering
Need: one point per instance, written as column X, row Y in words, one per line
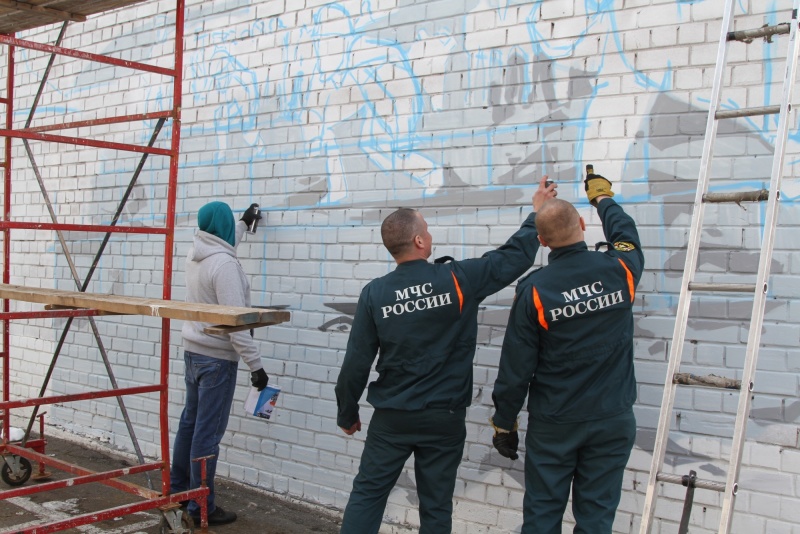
column 217, row 219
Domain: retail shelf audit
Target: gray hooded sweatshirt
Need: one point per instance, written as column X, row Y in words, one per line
column 215, row 276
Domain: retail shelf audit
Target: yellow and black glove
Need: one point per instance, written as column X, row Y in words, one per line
column 507, row 444
column 596, row 185
column 505, row 441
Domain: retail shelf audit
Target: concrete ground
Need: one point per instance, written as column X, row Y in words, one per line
column 259, row 511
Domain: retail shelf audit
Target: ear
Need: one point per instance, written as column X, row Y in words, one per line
column 418, row 242
column 542, row 241
column 583, row 224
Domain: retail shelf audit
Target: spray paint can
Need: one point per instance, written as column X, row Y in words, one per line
column 253, row 226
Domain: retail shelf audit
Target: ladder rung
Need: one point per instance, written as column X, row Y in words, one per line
column 748, row 112
column 712, row 381
column 684, row 481
column 732, row 288
column 744, row 196
column 766, row 31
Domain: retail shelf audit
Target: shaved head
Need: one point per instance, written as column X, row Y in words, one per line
column 559, row 223
column 399, row 229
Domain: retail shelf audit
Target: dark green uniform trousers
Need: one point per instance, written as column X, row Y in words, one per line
column 588, row 456
column 436, row 439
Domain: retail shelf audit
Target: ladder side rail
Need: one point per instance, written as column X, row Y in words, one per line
column 765, row 260
column 692, row 252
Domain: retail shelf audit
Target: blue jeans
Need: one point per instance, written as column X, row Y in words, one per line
column 436, row 439
column 210, row 383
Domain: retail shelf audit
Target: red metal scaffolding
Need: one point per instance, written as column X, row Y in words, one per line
column 18, row 455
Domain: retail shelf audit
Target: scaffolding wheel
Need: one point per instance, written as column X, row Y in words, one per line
column 16, row 470
column 176, row 522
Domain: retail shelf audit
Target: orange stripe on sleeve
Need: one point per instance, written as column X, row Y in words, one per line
column 540, row 309
column 631, row 287
column 458, row 291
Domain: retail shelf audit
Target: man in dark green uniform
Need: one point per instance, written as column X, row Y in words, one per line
column 422, row 321
column 569, row 348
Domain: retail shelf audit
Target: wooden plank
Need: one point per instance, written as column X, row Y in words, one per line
column 50, row 307
column 58, row 14
column 17, row 15
column 170, row 309
column 279, row 317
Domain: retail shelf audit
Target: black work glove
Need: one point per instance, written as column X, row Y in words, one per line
column 259, row 379
column 596, row 185
column 506, row 444
column 251, row 214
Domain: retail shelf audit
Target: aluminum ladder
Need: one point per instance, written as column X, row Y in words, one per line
column 758, row 289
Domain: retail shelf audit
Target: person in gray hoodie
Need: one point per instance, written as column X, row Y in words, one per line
column 213, row 276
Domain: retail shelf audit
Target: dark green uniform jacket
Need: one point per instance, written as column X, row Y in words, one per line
column 569, row 342
column 422, row 319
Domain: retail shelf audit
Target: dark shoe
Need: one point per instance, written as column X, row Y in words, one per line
column 217, row 517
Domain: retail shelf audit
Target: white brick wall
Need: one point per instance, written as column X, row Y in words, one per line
column 331, row 115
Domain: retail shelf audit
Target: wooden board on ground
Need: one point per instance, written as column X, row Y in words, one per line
column 170, row 309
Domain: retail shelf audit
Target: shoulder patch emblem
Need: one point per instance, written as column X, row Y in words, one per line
column 623, row 246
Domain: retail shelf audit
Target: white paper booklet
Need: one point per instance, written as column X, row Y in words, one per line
column 262, row 403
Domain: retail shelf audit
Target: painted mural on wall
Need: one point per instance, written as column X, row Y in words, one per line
column 478, row 133
column 536, row 105
column 537, row 109
column 368, row 107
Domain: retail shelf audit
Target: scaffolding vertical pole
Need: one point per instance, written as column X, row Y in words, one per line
column 7, row 235
column 169, row 238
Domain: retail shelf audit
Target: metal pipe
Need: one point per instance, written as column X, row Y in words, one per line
column 38, row 401
column 52, row 461
column 78, row 481
column 7, row 235
column 100, row 122
column 747, row 36
column 83, row 228
column 83, row 142
column 704, row 484
column 111, row 513
column 6, row 39
column 169, row 242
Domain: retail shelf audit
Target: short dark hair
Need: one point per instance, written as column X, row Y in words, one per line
column 557, row 222
column 398, row 230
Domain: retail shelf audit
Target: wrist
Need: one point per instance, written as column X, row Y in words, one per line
column 499, row 430
column 596, row 201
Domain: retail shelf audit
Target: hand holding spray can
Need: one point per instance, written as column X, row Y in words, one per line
column 251, row 217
